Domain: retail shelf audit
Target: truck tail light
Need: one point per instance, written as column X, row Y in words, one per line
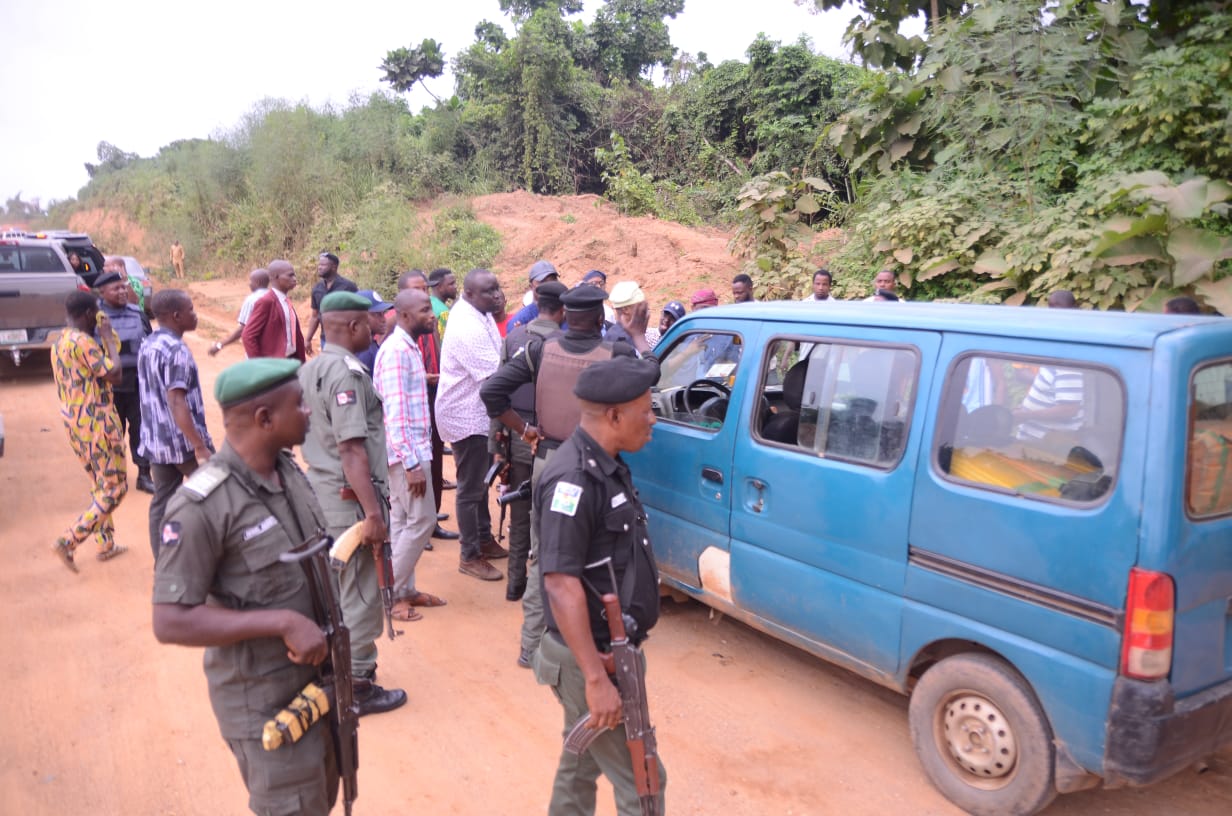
column 1149, row 617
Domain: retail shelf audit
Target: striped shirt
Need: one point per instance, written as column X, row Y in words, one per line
column 402, row 384
column 1053, row 387
column 249, row 302
column 164, row 364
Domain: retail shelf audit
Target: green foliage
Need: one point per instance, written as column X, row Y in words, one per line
column 404, row 67
column 630, row 37
column 636, row 193
column 774, row 236
column 1001, row 167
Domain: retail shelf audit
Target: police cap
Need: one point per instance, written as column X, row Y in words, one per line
column 583, row 298
column 248, row 379
column 344, row 302
column 106, row 278
column 616, row 381
column 549, row 294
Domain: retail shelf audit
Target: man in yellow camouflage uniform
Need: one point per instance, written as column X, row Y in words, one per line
column 84, row 372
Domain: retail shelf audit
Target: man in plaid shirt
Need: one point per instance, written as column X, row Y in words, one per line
column 402, row 384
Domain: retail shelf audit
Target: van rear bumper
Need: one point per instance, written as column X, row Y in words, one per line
column 1152, row 736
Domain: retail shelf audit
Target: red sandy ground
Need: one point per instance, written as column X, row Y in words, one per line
column 96, row 717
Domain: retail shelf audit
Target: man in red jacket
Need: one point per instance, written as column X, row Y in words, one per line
column 273, row 328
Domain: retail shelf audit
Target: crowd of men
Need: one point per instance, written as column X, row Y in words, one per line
column 542, row 402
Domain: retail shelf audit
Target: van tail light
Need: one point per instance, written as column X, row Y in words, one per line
column 1149, row 617
column 81, row 287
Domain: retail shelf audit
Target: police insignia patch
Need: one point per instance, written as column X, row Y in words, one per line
column 171, row 534
column 346, row 398
column 565, row 498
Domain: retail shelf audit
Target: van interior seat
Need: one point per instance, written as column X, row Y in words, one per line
column 785, row 425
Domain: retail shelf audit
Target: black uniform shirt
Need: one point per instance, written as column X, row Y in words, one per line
column 587, row 510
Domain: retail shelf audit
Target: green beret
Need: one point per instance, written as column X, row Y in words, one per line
column 583, row 298
column 616, row 381
column 251, row 378
column 344, row 302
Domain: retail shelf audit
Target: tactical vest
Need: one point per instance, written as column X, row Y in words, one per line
column 558, row 410
column 522, row 400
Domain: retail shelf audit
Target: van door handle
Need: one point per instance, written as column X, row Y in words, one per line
column 712, row 475
column 760, row 487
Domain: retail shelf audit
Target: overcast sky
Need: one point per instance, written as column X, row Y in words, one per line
column 143, row 73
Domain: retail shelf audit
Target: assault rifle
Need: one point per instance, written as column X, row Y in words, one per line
column 336, row 670
column 625, row 664
column 346, row 546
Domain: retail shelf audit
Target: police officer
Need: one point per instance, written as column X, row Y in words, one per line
column 132, row 326
column 587, row 510
column 345, row 452
column 549, row 315
column 219, row 583
column 553, row 366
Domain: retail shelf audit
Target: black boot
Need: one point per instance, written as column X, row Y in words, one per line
column 145, row 483
column 373, row 699
column 515, row 589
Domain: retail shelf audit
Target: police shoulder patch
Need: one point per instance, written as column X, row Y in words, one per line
column 205, row 480
column 346, row 397
column 565, row 498
column 171, row 534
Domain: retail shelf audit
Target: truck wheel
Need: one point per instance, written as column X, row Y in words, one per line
column 982, row 737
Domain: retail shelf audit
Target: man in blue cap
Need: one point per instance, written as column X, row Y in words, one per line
column 379, row 312
column 541, row 272
column 588, row 512
column 346, row 456
column 220, row 583
column 673, row 311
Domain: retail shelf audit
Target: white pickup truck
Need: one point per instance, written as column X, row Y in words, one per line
column 35, row 280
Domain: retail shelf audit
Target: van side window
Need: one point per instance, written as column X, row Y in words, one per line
column 696, row 377
column 1048, row 430
column 838, row 401
column 1208, row 483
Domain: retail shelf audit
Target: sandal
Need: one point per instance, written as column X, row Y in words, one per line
column 404, row 612
column 116, row 549
column 425, row 599
column 65, row 553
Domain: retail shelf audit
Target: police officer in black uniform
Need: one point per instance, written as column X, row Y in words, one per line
column 587, row 510
column 551, row 366
column 132, row 327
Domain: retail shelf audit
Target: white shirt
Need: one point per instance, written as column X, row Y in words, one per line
column 288, row 315
column 470, row 353
column 249, row 302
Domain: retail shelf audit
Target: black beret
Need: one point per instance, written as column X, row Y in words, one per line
column 106, row 278
column 583, row 298
column 615, row 381
column 251, row 378
column 549, row 294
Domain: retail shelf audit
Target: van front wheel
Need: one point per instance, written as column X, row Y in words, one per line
column 982, row 737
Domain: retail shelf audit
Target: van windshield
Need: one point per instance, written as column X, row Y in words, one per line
column 1209, row 467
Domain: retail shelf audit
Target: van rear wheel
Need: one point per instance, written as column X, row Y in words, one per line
column 982, row 737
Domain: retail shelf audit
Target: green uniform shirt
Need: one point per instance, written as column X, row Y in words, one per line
column 222, row 536
column 338, row 390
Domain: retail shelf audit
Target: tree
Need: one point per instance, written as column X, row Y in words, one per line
column 631, row 37
column 404, row 67
column 110, row 159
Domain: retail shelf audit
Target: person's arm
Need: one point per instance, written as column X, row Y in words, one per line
column 206, row 625
column 177, row 402
column 228, row 340
column 634, row 321
column 313, row 323
column 355, row 467
column 109, row 342
column 568, row 599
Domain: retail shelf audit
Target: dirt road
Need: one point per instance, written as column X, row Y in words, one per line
column 96, row 717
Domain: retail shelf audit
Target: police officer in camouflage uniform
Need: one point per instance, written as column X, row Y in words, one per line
column 587, row 510
column 222, row 535
column 345, row 452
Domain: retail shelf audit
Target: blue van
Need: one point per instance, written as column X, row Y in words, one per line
column 1020, row 517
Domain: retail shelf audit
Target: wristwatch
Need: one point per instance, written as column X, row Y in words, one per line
column 217, row 346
